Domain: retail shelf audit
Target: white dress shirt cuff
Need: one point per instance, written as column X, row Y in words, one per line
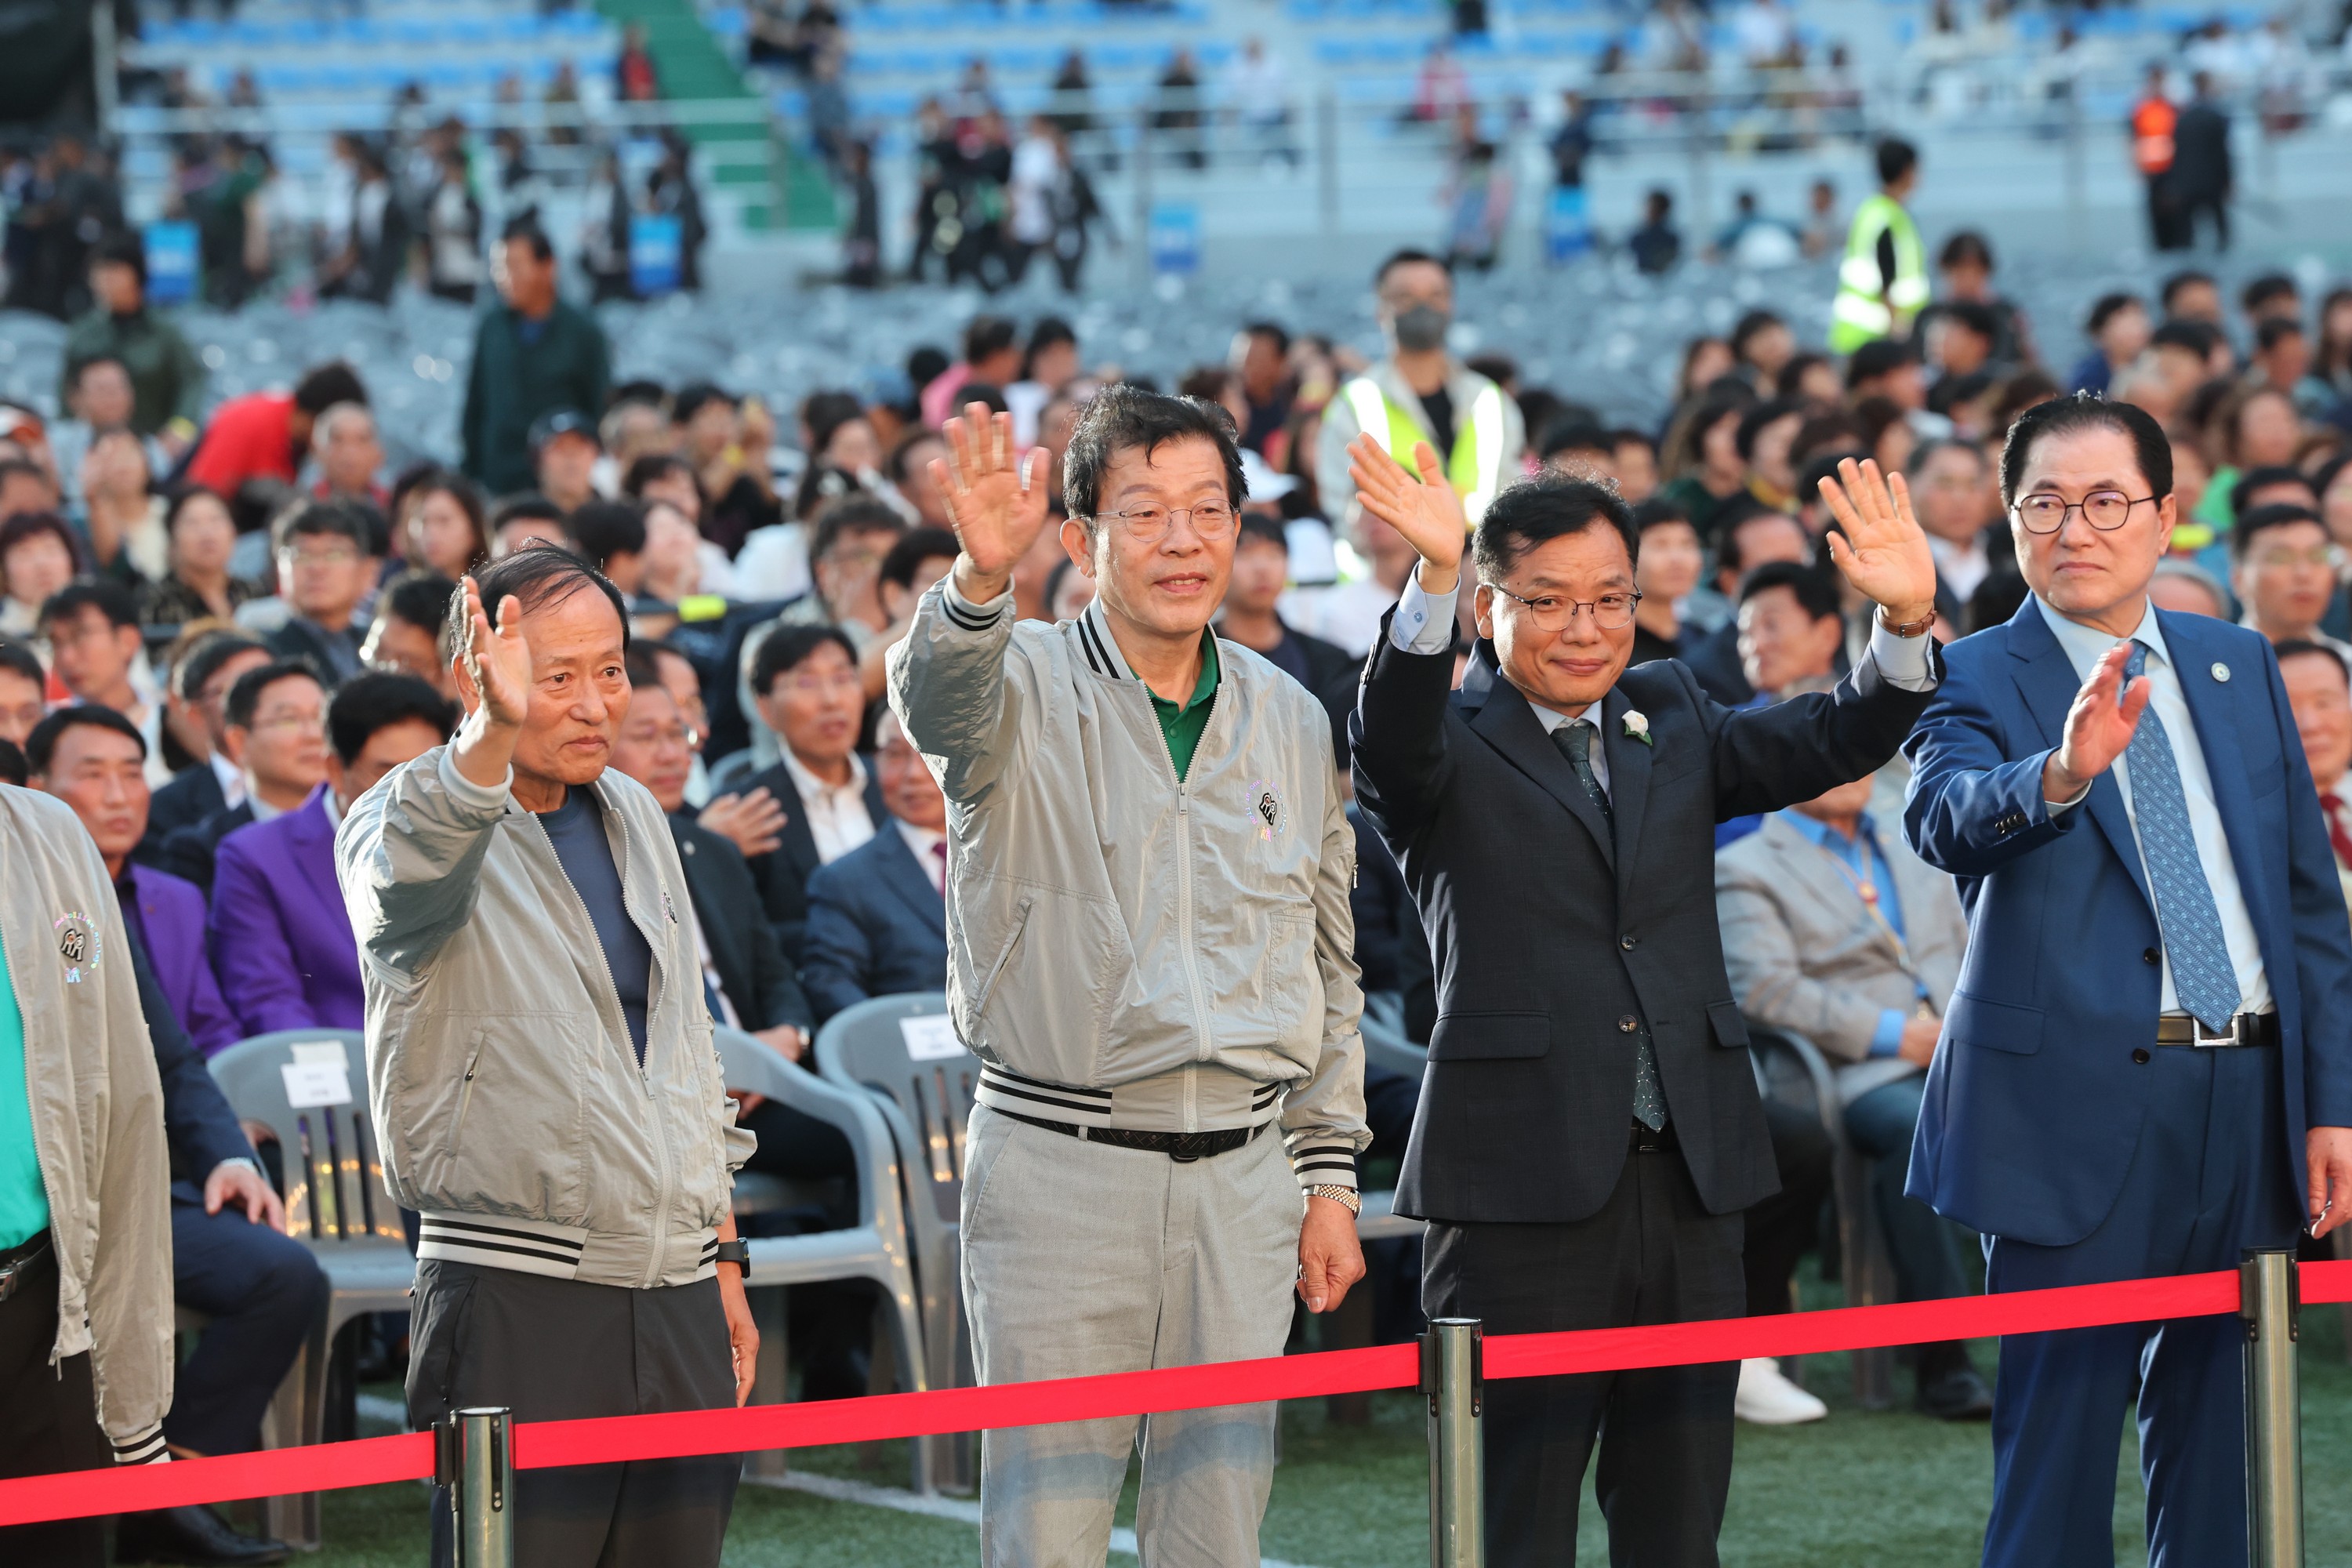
column 1423, row 622
column 1904, row 662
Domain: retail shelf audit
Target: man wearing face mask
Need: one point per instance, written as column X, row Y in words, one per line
column 1422, row 393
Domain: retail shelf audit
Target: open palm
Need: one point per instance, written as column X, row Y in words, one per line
column 1426, row 510
column 992, row 504
column 498, row 661
column 1881, row 550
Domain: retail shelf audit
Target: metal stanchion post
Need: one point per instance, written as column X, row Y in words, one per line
column 1452, row 1376
column 2268, row 1299
column 473, row 1455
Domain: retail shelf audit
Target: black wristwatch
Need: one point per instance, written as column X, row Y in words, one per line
column 738, row 1253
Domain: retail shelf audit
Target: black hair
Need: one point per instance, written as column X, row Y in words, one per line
column 1880, row 356
column 84, row 366
column 2278, row 514
column 1997, row 599
column 988, row 394
column 642, row 666
column 2197, row 337
column 376, row 699
column 203, row 660
column 182, row 497
column 104, row 594
column 1975, row 316
column 1626, row 435
column 1964, row 246
column 647, row 467
column 2295, row 648
column 1408, row 257
column 600, row 530
column 896, row 461
column 13, row 767
column 2262, row 478
column 1573, row 433
column 1823, row 466
column 1126, row 418
column 1925, row 450
column 2264, row 289
column 1271, row 331
column 2077, row 415
column 1547, row 506
column 1752, row 423
column 692, row 398
column 1749, row 326
column 985, row 336
column 2275, row 330
column 1815, row 595
column 245, row 695
column 19, row 660
column 526, row 229
column 121, row 249
column 855, row 513
column 323, row 386
column 2179, row 283
column 789, row 646
column 1264, row 529
column 913, row 548
column 926, row 363
column 821, row 485
column 2109, row 306
column 827, row 412
column 41, row 745
column 1050, row 331
column 528, row 506
column 419, row 598
column 324, row 520
column 535, row 577
column 1895, row 158
column 1727, row 525
column 1659, row 510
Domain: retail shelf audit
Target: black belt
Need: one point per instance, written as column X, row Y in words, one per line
column 2245, row 1029
column 16, row 1263
column 1182, row 1147
column 1651, row 1139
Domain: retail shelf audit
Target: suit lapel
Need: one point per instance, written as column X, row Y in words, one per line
column 1506, row 722
column 906, row 877
column 1629, row 786
column 303, row 837
column 795, row 841
column 2046, row 679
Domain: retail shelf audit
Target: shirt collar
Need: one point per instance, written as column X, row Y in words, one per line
column 806, row 783
column 1204, row 688
column 922, row 840
column 1820, row 833
column 1551, row 718
column 2083, row 645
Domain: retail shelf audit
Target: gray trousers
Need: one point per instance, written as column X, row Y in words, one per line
column 1080, row 1259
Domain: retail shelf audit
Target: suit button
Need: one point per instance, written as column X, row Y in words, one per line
column 1627, row 941
column 2149, row 955
column 2140, row 1055
column 1628, row 1024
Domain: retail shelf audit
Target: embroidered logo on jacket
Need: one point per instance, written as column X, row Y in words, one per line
column 77, row 944
column 1268, row 806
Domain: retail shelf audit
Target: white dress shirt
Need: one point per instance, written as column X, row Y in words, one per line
column 836, row 812
column 2084, row 646
column 930, row 852
column 231, row 777
column 1424, row 625
column 1962, row 568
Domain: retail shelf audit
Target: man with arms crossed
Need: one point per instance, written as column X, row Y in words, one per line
column 2146, row 1065
column 1149, row 945
column 541, row 1063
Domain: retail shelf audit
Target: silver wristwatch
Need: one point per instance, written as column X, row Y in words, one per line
column 1347, row 1198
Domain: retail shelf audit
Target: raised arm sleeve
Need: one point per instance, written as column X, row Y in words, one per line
column 409, row 857
column 960, row 697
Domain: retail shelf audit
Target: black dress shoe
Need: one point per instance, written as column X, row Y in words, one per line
column 191, row 1534
column 1955, row 1393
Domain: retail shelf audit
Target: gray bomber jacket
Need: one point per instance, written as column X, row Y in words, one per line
column 1125, row 950
column 510, row 1104
column 97, row 1114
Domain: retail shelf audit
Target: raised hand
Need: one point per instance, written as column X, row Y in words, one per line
column 1426, row 510
column 497, row 662
column 1882, row 551
column 2098, row 727
column 753, row 823
column 995, row 503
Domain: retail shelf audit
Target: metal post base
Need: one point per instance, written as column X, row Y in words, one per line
column 2268, row 1300
column 473, row 1455
column 1452, row 1376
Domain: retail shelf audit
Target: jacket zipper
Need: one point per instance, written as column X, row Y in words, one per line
column 48, row 1195
column 1204, row 1047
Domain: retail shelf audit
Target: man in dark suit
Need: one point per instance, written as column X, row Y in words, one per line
column 1588, row 1129
column 200, row 681
column 877, row 917
column 2203, row 176
column 2146, row 1065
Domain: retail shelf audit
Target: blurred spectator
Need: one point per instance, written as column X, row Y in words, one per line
column 1883, row 282
column 167, row 379
column 2285, row 567
column 1966, row 265
column 196, row 584
column 671, row 192
column 2118, row 329
column 635, row 78
column 1261, row 357
column 453, row 228
column 444, row 531
column 523, row 520
column 98, row 399
column 39, row 554
column 1762, row 347
column 281, row 939
column 2281, row 359
column 406, row 634
column 1820, row 233
column 1952, row 492
column 343, row 441
column 201, row 678
column 564, row 453
column 1704, row 470
column 2319, row 692
column 267, row 434
column 877, row 917
column 2186, row 589
column 24, row 691
column 1261, row 571
column 1656, row 244
column 1749, row 535
column 1665, row 572
column 610, row 535
column 725, row 444
column 2203, row 179
column 120, row 512
column 98, row 655
column 368, row 259
column 276, row 734
column 991, row 357
column 533, row 355
column 324, row 572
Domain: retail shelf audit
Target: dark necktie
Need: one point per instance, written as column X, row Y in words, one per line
column 2204, row 982
column 2331, row 806
column 1575, row 739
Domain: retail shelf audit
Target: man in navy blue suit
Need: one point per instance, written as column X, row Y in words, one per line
column 878, row 916
column 2146, row 1065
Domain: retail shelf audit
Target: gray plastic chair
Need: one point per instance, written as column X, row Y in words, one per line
column 925, row 1104
column 1791, row 1069
column 875, row 1248
column 336, row 1205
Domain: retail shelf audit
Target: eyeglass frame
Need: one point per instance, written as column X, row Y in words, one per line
column 2017, row 512
column 1188, row 513
column 1574, row 605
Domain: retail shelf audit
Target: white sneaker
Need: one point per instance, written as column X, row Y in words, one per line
column 1767, row 1398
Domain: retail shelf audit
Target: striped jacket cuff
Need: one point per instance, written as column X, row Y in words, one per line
column 970, row 616
column 143, row 1448
column 1321, row 1162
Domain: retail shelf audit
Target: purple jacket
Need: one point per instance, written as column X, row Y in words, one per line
column 170, row 916
column 281, row 939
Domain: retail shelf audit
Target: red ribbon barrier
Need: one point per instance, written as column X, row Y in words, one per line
column 540, row 1445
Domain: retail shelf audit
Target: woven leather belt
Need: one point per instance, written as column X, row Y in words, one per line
column 1181, row 1147
column 16, row 1263
column 2245, row 1029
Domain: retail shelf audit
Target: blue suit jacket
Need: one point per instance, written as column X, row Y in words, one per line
column 877, row 927
column 2034, row 1105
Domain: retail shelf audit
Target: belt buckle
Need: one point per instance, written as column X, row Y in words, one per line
column 2204, row 1041
column 1187, row 1147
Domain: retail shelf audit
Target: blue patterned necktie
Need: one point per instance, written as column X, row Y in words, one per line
column 1576, row 740
column 2203, row 979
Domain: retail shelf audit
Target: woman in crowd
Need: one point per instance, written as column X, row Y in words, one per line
column 441, row 525
column 1702, row 456
column 38, row 555
column 2255, row 426
column 125, row 519
column 196, row 584
column 1668, row 571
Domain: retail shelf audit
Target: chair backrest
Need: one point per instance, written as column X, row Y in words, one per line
column 753, row 1066
column 904, row 1049
column 1386, row 1046
column 334, row 1171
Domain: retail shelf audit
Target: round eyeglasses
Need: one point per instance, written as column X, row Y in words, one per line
column 2103, row 509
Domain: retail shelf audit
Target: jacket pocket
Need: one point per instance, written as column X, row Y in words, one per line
column 1487, row 1036
column 2000, row 1025
column 1004, row 954
column 525, row 1154
column 1730, row 1028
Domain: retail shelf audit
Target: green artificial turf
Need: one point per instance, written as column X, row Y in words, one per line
column 1858, row 1491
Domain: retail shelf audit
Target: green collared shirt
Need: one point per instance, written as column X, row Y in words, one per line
column 1181, row 723
column 23, row 1197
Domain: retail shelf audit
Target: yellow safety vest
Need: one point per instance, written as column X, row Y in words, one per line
column 1474, row 466
column 1860, row 315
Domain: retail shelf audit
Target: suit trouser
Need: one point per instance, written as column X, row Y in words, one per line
column 1652, row 1255
column 2209, row 1177
column 557, row 1349
column 1081, row 1259
column 48, row 1421
column 263, row 1292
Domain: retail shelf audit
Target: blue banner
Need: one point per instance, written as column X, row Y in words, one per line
column 1568, row 225
column 1175, row 238
column 172, row 266
column 656, row 246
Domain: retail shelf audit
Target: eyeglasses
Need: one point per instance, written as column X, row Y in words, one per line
column 2325, row 557
column 1550, row 613
column 291, row 721
column 1148, row 525
column 341, row 556
column 2103, row 509
column 823, row 685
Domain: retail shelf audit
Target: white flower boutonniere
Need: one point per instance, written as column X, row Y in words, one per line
column 1637, row 725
